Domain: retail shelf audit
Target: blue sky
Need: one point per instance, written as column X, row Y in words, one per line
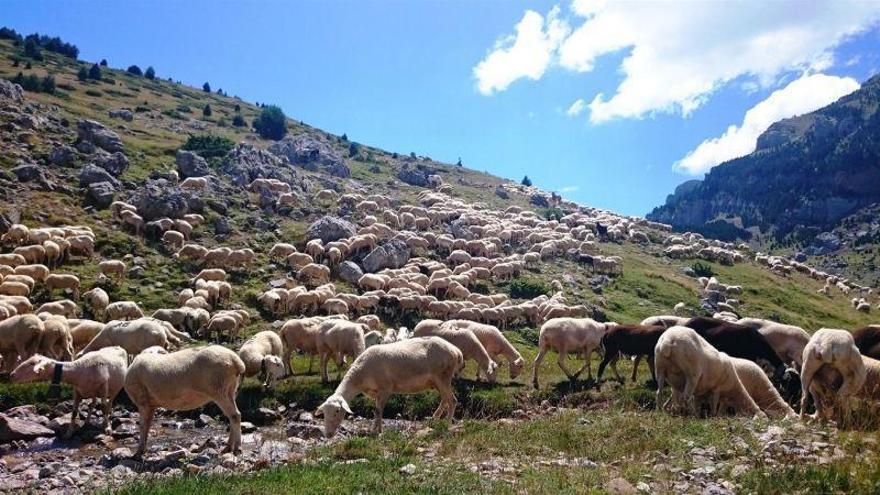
column 401, row 75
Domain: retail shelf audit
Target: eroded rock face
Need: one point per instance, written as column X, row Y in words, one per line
column 330, row 229
column 11, row 92
column 393, row 254
column 311, row 153
column 244, row 163
column 92, row 173
column 159, row 198
column 101, row 194
column 94, row 132
column 350, row 272
column 190, row 164
column 415, row 175
column 114, row 163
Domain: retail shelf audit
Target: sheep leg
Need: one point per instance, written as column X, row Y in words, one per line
column 324, row 358
column 660, row 383
column 586, row 366
column 540, row 357
column 73, row 414
column 650, row 366
column 810, row 369
column 107, row 406
column 230, row 410
column 287, row 354
column 608, row 358
column 340, row 362
column 381, row 398
column 311, row 360
column 614, row 367
column 146, row 415
column 715, row 404
column 560, row 360
column 690, row 386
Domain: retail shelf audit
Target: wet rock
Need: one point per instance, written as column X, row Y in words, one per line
column 101, row 194
column 330, row 228
column 350, row 272
column 190, row 164
column 311, row 152
column 261, row 416
column 94, row 132
column 393, row 254
column 92, row 173
column 12, row 429
column 114, row 163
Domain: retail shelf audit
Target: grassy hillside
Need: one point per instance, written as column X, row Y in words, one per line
column 515, row 436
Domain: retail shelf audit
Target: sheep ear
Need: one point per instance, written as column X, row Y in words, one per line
column 319, row 412
column 345, row 407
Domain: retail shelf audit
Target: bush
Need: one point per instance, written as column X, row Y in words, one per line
column 206, row 88
column 238, row 121
column 553, row 214
column 271, row 123
column 184, row 108
column 28, row 82
column 82, row 74
column 526, row 181
column 209, row 146
column 206, row 111
column 150, row 73
column 135, row 70
column 353, row 149
column 528, row 288
column 94, row 92
column 703, row 269
column 103, row 62
column 237, row 107
column 32, row 49
column 48, row 84
column 95, row 72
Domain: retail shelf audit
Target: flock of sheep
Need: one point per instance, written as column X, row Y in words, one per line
column 716, row 362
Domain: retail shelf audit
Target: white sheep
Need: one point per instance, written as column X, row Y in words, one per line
column 96, row 375
column 97, row 301
column 184, row 380
column 693, row 368
column 300, row 335
column 760, row 389
column 339, row 338
column 134, row 336
column 261, row 355
column 569, row 336
column 463, row 338
column 834, row 349
column 788, row 341
column 495, row 342
column 123, row 310
column 408, row 367
column 20, row 336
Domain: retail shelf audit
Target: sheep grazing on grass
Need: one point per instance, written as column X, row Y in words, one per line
column 666, row 321
column 56, row 341
column 96, row 375
column 406, row 367
column 261, row 355
column 123, row 310
column 569, row 336
column 631, row 340
column 495, row 342
column 134, row 336
column 300, row 335
column 867, row 339
column 62, row 281
column 761, row 390
column 20, row 337
column 693, row 368
column 339, row 338
column 112, row 268
column 463, row 338
column 185, row 380
column 828, row 381
column 65, row 307
column 735, row 340
column 835, row 349
column 787, row 340
column 83, row 331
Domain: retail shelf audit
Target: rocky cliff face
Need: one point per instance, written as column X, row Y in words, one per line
column 807, row 173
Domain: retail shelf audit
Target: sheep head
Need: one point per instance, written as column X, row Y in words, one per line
column 34, row 369
column 333, row 410
column 272, row 368
column 516, row 367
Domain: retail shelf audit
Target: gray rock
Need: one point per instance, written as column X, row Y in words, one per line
column 115, row 163
column 540, row 200
column 261, row 416
column 11, row 92
column 244, row 163
column 63, row 156
column 501, row 193
column 190, row 164
column 459, row 229
column 12, row 429
column 101, row 194
column 28, row 172
column 121, row 113
column 330, row 229
column 414, row 176
column 393, row 254
column 311, row 152
column 94, row 132
column 86, row 147
column 158, row 199
column 800, row 256
column 221, row 226
column 304, row 430
column 350, row 272
column 689, row 272
column 92, row 173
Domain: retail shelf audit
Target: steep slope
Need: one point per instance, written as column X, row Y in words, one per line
column 807, row 173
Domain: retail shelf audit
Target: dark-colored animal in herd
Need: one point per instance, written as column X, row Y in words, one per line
column 735, row 340
column 868, row 341
column 631, row 340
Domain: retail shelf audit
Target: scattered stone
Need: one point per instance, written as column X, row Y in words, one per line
column 94, row 132
column 350, row 272
column 190, row 164
column 329, row 229
column 29, row 172
column 392, row 254
column 121, row 113
column 311, row 152
column 621, row 486
column 63, row 156
column 12, row 429
column 101, row 194
column 114, row 163
column 408, row 469
column 92, row 173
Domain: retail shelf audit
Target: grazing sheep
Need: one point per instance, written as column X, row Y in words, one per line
column 407, row 367
column 261, row 355
column 569, row 336
column 761, row 389
column 123, row 310
column 281, row 250
column 36, row 272
column 133, row 336
column 693, row 368
column 339, row 338
column 666, row 321
column 834, row 349
column 465, row 340
column 65, row 307
column 14, row 289
column 208, row 274
column 191, row 320
column 56, row 341
column 97, row 301
column 83, row 331
column 113, row 268
column 196, row 183
column 787, row 340
column 827, row 381
column 63, row 281
column 20, row 337
column 735, row 340
column 184, row 380
column 96, row 375
column 867, row 339
column 300, row 334
column 632, row 340
column 495, row 343
column 173, row 239
column 22, row 279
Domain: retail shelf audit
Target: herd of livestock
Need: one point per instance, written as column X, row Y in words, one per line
column 427, row 261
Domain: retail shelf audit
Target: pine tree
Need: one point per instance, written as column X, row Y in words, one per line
column 526, row 181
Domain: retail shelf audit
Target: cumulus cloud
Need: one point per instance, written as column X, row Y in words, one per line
column 676, row 55
column 808, row 93
column 576, row 108
column 528, row 53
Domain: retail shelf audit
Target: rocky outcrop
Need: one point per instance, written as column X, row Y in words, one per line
column 244, row 163
column 350, row 272
column 190, row 164
column 101, row 194
column 159, row 198
column 121, row 113
column 330, row 229
column 114, row 163
column 415, row 175
column 90, row 131
column 29, row 172
column 393, row 254
column 63, row 156
column 10, row 92
column 311, row 153
column 92, row 173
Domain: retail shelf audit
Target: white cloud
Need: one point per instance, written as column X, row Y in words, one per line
column 576, row 108
column 568, row 189
column 801, row 96
column 675, row 55
column 528, row 53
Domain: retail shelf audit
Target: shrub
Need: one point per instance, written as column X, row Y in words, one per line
column 82, row 74
column 209, row 146
column 238, row 121
column 150, row 73
column 528, row 288
column 344, row 137
column 702, row 269
column 103, row 62
column 526, row 181
column 458, row 163
column 48, row 84
column 135, row 70
column 32, row 49
column 184, row 108
column 94, row 92
column 28, row 82
column 206, row 111
column 237, row 107
column 353, row 149
column 553, row 214
column 271, row 123
column 206, row 88
column 95, row 72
